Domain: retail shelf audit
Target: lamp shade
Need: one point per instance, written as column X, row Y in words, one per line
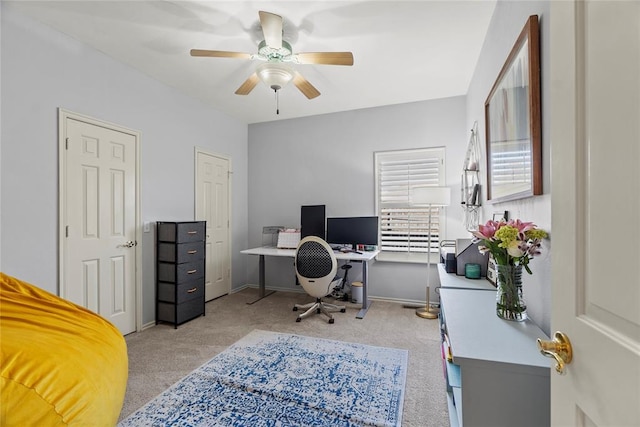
column 275, row 75
column 425, row 195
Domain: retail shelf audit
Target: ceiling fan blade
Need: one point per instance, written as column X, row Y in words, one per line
column 220, row 54
column 328, row 58
column 271, row 28
column 248, row 85
column 304, row 86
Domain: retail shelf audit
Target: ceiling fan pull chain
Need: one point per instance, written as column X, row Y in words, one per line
column 277, row 102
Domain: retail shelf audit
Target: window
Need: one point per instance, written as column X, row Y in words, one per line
column 405, row 228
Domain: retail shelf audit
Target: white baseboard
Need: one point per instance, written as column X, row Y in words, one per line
column 300, row 290
column 148, row 325
column 269, row 288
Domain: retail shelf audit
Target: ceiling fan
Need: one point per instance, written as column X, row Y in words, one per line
column 277, row 54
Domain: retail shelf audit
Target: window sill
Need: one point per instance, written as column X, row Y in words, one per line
column 408, row 258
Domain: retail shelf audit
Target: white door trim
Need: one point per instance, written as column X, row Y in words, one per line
column 229, row 192
column 63, row 115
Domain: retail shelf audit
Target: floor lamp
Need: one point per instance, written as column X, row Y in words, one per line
column 429, row 196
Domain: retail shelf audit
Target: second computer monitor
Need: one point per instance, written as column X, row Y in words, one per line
column 359, row 230
column 312, row 221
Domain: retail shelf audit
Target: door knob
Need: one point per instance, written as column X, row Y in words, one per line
column 128, row 244
column 559, row 348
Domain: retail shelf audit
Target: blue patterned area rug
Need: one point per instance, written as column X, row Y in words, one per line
column 274, row 379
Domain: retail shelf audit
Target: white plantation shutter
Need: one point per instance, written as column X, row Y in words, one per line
column 403, row 227
column 511, row 163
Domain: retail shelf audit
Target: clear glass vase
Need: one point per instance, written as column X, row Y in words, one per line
column 510, row 304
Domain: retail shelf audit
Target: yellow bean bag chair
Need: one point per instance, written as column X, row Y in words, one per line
column 61, row 364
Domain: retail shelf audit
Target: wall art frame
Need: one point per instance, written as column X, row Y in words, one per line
column 513, row 122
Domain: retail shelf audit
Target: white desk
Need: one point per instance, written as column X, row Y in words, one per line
column 264, row 251
column 451, row 280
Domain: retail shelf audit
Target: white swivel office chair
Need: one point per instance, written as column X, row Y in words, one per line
column 316, row 268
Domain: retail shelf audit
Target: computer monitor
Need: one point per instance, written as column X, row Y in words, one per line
column 359, row 230
column 312, row 221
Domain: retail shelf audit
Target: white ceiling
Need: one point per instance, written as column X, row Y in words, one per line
column 404, row 51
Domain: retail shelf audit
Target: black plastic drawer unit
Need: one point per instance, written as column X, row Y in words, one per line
column 180, row 271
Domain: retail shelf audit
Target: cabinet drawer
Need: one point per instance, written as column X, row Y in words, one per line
column 169, row 292
column 180, row 253
column 181, row 232
column 180, row 273
column 180, row 313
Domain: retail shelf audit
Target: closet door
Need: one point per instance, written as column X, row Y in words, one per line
column 212, row 206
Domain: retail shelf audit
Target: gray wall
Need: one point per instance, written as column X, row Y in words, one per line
column 328, row 159
column 42, row 70
column 508, row 19
column 316, row 160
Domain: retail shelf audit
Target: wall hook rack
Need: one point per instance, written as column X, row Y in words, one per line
column 470, row 199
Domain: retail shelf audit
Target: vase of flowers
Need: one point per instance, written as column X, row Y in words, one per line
column 512, row 244
column 510, row 304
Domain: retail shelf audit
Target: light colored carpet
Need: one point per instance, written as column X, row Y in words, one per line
column 162, row 355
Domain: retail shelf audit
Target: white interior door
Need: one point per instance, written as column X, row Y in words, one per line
column 595, row 158
column 98, row 219
column 212, row 206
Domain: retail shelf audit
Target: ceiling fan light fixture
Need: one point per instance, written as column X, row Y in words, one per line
column 268, row 53
column 275, row 75
column 277, row 54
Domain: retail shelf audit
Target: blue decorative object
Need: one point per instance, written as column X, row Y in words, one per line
column 472, row 271
column 273, row 379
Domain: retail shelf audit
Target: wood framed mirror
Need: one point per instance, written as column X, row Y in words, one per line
column 512, row 122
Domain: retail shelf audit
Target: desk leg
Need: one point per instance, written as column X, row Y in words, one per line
column 261, row 282
column 365, row 301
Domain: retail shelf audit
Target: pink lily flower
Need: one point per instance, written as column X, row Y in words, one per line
column 487, row 231
column 521, row 226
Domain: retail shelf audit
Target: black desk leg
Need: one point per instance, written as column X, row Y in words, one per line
column 261, row 282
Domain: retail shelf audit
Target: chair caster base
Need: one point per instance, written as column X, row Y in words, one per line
column 318, row 307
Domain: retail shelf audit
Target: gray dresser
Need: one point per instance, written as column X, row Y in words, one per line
column 494, row 372
column 180, row 271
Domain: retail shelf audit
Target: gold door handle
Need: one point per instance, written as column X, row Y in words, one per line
column 559, row 348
